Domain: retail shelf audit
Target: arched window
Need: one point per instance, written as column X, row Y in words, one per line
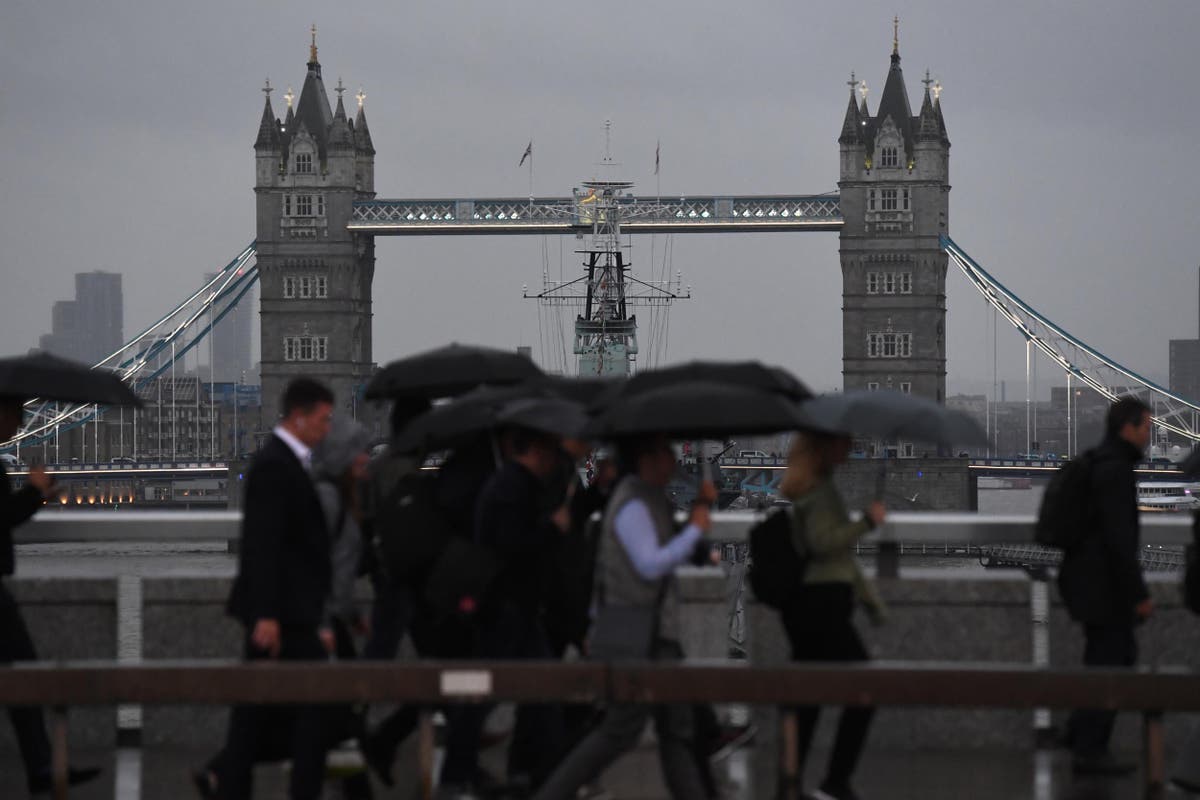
column 304, row 163
column 888, row 157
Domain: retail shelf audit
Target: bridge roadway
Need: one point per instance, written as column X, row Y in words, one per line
column 978, row 466
column 571, row 215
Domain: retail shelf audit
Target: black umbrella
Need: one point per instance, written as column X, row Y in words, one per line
column 450, row 370
column 553, row 415
column 452, row 424
column 745, row 374
column 695, row 410
column 592, row 392
column 48, row 377
column 890, row 416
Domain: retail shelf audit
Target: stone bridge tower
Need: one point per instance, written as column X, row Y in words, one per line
column 315, row 275
column 895, row 192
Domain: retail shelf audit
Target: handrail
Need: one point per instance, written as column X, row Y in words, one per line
column 952, row 527
column 961, row 684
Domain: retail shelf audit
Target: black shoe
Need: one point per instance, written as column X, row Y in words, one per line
column 44, row 782
column 206, row 783
column 1101, row 765
column 379, row 757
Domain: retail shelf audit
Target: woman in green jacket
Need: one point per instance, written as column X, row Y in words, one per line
column 820, row 627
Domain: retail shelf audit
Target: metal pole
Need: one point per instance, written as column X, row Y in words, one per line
column 1028, row 430
column 212, row 427
column 159, row 410
column 995, row 396
column 122, row 436
column 1070, row 440
column 174, row 418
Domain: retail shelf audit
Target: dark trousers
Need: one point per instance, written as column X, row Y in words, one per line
column 537, row 737
column 821, row 629
column 391, row 610
column 1088, row 730
column 27, row 721
column 251, row 726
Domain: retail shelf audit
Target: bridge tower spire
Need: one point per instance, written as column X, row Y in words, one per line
column 315, row 274
column 895, row 189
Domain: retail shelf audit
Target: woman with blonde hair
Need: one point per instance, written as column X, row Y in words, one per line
column 820, row 626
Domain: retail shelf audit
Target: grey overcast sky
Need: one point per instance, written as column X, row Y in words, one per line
column 126, row 132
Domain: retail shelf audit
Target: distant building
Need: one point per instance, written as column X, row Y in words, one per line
column 1185, row 368
column 178, row 419
column 92, row 326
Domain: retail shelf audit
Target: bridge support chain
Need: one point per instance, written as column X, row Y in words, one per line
column 58, row 751
column 425, row 753
column 1154, row 760
column 789, row 757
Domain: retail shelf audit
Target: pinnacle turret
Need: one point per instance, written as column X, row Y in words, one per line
column 268, row 127
column 362, row 134
column 852, row 124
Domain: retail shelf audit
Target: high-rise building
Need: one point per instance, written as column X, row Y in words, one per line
column 90, row 327
column 231, row 338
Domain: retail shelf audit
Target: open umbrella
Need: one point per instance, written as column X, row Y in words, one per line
column 591, row 392
column 553, row 415
column 744, row 374
column 48, row 377
column 451, row 424
column 695, row 410
column 450, row 370
column 891, row 415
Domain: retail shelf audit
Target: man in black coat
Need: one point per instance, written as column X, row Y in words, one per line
column 15, row 642
column 1101, row 580
column 512, row 520
column 279, row 594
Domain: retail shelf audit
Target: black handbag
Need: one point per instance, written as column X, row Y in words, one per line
column 625, row 632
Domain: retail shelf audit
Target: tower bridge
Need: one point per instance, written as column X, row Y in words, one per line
column 318, row 214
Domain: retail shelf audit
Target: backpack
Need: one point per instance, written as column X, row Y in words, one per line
column 1064, row 518
column 776, row 571
column 1191, row 572
column 408, row 531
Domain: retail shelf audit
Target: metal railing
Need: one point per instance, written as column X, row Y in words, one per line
column 1151, row 691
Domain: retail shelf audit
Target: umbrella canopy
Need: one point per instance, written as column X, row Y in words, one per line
column 744, row 374
column 891, row 415
column 591, row 392
column 695, row 410
column 552, row 415
column 449, row 371
column 452, row 424
column 48, row 377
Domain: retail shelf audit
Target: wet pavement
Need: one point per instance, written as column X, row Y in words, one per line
column 942, row 775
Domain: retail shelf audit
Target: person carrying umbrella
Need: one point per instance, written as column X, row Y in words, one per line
column 48, row 378
column 638, row 616
column 819, row 623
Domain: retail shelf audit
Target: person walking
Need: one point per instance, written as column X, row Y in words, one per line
column 820, row 624
column 1101, row 581
column 512, row 521
column 280, row 592
column 639, row 551
column 340, row 464
column 15, row 642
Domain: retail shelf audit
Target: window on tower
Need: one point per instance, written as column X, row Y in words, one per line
column 320, row 286
column 888, row 157
column 304, row 162
column 905, row 282
column 889, row 345
column 304, row 205
column 872, row 283
column 887, row 199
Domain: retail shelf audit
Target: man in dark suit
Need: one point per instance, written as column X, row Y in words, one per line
column 280, row 592
column 15, row 642
column 1101, row 580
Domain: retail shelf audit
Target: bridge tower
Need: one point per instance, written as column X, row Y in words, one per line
column 895, row 192
column 315, row 275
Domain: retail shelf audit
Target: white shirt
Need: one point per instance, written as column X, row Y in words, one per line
column 635, row 530
column 302, row 451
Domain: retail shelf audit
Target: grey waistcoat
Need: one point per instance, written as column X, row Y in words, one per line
column 619, row 584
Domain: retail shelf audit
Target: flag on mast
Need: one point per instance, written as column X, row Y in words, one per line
column 657, row 148
column 527, row 154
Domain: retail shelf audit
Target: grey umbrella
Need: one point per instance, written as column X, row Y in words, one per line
column 48, row 377
column 891, row 415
